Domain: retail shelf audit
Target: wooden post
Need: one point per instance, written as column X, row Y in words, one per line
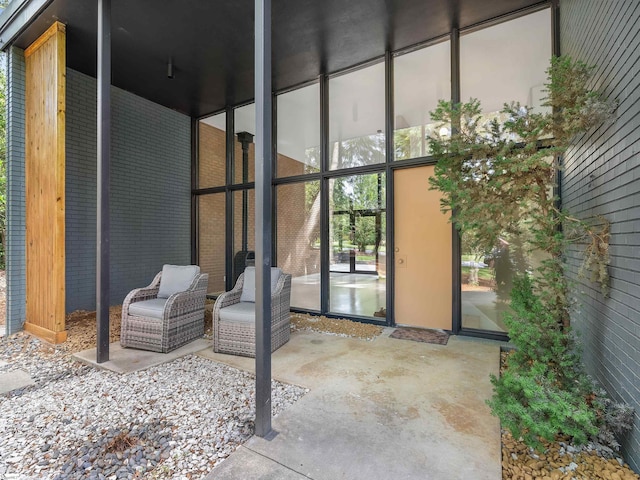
column 45, row 63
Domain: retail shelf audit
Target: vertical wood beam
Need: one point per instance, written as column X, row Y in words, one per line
column 45, row 69
column 103, row 166
column 263, row 230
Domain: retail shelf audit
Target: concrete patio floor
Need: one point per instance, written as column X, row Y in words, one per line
column 128, row 360
column 377, row 409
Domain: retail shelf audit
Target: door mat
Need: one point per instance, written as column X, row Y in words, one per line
column 437, row 337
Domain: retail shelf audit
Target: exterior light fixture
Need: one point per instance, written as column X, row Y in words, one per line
column 170, row 68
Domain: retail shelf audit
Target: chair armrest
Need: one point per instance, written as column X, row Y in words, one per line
column 229, row 298
column 181, row 301
column 144, row 293
column 281, row 299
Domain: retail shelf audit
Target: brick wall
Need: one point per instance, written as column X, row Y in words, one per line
column 295, row 254
column 211, row 208
column 602, row 177
column 15, row 201
column 298, row 226
column 150, row 191
column 212, row 153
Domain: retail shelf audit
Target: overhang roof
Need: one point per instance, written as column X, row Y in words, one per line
column 210, row 43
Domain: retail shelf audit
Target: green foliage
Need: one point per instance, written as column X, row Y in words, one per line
column 544, row 390
column 576, row 107
column 496, row 173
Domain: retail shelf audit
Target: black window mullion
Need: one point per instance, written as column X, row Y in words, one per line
column 324, row 195
column 230, row 159
column 456, row 297
column 390, row 156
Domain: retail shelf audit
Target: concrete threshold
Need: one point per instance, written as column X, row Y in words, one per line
column 128, row 360
column 380, row 409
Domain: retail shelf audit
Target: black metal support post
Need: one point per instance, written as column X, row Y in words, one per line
column 263, row 173
column 103, row 180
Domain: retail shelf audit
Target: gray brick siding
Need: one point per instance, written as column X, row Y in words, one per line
column 150, row 191
column 602, row 177
column 16, row 231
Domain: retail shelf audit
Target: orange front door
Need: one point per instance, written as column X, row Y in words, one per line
column 422, row 236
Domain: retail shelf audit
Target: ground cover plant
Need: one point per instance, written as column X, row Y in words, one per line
column 497, row 175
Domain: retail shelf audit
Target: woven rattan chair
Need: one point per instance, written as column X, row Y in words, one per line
column 168, row 313
column 234, row 326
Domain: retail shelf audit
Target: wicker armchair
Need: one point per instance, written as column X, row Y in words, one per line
column 165, row 315
column 234, row 326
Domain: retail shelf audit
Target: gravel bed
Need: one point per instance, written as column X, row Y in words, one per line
column 560, row 460
column 176, row 420
column 334, row 326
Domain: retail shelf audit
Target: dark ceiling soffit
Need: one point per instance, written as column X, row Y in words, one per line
column 21, row 15
column 411, row 48
column 17, row 17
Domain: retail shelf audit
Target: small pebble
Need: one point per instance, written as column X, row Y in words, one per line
column 175, row 420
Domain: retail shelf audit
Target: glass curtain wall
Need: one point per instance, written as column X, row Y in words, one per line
column 298, row 204
column 357, row 241
column 499, row 63
column 357, row 221
column 211, row 239
column 298, row 240
column 298, row 122
column 211, row 207
column 356, row 118
column 243, row 204
column 212, row 151
column 502, row 63
column 421, row 79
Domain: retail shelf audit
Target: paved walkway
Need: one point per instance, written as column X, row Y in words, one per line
column 385, row 409
column 14, row 380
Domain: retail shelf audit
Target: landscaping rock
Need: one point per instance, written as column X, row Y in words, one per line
column 175, row 420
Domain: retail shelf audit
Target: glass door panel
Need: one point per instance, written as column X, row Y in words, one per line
column 357, row 255
column 211, row 239
column 298, row 235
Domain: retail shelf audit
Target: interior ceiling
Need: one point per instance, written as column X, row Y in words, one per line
column 211, row 44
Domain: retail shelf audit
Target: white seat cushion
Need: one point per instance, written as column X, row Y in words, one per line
column 249, row 285
column 148, row 308
column 176, row 278
column 243, row 312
